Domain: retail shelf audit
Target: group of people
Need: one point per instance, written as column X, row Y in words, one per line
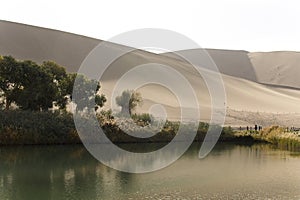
column 292, row 129
column 256, row 128
column 259, row 128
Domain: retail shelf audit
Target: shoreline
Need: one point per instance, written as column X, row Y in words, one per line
column 243, row 140
column 22, row 128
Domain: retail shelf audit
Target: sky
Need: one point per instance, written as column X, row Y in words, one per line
column 252, row 25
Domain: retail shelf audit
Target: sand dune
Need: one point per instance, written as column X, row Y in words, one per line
column 242, row 72
column 242, row 95
column 279, row 68
column 39, row 44
column 230, row 62
column 274, row 68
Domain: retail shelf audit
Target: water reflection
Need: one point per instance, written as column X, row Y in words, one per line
column 70, row 172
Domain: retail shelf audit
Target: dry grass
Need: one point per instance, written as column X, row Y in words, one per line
column 277, row 136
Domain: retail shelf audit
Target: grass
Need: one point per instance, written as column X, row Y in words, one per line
column 277, row 136
column 26, row 127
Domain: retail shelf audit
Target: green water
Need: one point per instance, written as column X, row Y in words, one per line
column 70, row 172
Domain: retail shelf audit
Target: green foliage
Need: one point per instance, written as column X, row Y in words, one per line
column 33, row 88
column 57, row 72
column 203, row 127
column 227, row 131
column 27, row 127
column 143, row 119
column 62, row 82
column 171, row 127
column 39, row 90
column 105, row 117
column 39, row 87
column 99, row 101
column 129, row 100
column 107, row 114
column 276, row 135
column 87, row 93
column 28, row 85
column 10, row 80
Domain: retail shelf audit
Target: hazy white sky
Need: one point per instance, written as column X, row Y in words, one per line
column 254, row 25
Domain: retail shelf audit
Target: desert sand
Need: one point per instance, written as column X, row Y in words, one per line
column 278, row 68
column 261, row 88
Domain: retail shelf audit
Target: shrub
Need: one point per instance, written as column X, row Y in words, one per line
column 227, row 130
column 143, row 119
column 27, row 127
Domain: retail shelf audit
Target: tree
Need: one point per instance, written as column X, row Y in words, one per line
column 10, row 80
column 129, row 100
column 62, row 82
column 39, row 89
column 86, row 92
column 57, row 72
column 28, row 85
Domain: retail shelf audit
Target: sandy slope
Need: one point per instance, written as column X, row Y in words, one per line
column 276, row 68
column 279, row 68
column 39, row 44
column 231, row 62
column 244, row 95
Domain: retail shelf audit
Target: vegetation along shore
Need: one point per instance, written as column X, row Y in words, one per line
column 33, row 110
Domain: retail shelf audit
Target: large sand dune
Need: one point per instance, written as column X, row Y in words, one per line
column 242, row 95
column 242, row 72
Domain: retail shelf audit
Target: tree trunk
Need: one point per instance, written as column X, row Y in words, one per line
column 7, row 105
column 125, row 110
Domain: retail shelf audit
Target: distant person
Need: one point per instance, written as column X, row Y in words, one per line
column 247, row 128
column 255, row 127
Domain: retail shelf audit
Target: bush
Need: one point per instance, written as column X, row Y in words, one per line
column 27, row 127
column 143, row 119
column 227, row 131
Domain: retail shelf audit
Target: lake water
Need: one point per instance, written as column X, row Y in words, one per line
column 70, row 172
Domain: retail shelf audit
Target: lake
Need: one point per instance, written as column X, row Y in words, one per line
column 229, row 172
